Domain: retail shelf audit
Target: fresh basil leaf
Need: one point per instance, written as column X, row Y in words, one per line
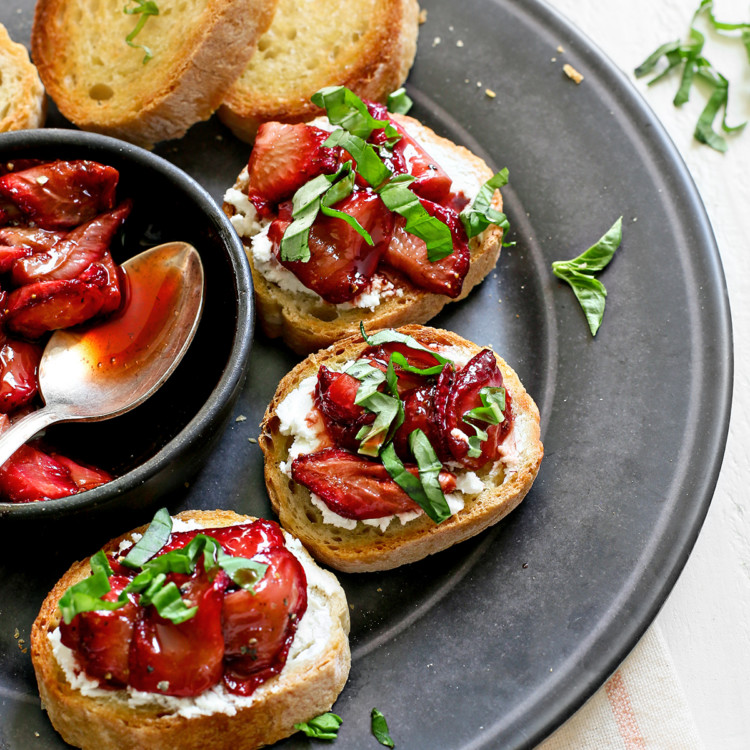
column 144, row 9
column 399, row 359
column 154, row 538
column 399, row 101
column 373, row 436
column 389, row 336
column 370, row 378
column 344, row 108
column 650, row 63
column 492, row 412
column 369, row 164
column 168, row 601
column 401, row 200
column 379, row 727
column 323, row 727
column 85, row 596
column 692, row 51
column 579, row 273
column 413, row 486
column 244, row 572
column 480, row 214
column 429, row 472
column 350, row 220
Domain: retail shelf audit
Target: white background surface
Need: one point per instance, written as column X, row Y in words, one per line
column 706, row 620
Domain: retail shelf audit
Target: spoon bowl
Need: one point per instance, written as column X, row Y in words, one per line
column 101, row 371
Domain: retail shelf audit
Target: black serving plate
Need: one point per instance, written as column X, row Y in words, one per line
column 495, row 642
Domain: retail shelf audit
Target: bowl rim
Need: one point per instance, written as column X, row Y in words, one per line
column 235, row 367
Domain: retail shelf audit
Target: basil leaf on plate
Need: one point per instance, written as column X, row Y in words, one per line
column 379, row 727
column 323, row 727
column 579, row 273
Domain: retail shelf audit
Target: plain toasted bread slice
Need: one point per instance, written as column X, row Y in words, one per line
column 365, row 45
column 366, row 547
column 308, row 323
column 307, row 686
column 22, row 99
column 101, row 83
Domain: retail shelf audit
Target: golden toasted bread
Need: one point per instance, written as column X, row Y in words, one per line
column 22, row 99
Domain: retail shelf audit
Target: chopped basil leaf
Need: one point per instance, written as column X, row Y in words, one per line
column 399, row 199
column 349, row 219
column 373, row 436
column 492, row 412
column 155, row 537
column 370, row 378
column 434, row 507
column 398, row 359
column 689, row 55
column 429, row 471
column 579, row 273
column 346, row 109
column 150, row 583
column 399, row 101
column 379, row 728
column 480, row 214
column 369, row 164
column 85, row 596
column 145, row 8
column 323, row 727
column 389, row 336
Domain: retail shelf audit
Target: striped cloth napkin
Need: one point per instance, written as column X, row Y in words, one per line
column 640, row 707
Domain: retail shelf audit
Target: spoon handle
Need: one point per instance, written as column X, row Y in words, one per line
column 26, row 427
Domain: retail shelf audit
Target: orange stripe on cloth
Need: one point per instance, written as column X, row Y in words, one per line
column 622, row 709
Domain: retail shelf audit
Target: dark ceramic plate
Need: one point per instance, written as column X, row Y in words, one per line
column 494, row 643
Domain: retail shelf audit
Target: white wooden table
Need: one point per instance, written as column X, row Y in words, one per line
column 706, row 619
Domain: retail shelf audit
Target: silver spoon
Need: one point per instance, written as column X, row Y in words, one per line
column 108, row 369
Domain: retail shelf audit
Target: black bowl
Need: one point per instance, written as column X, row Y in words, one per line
column 156, row 448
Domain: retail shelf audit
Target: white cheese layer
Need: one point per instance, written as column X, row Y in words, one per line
column 310, row 640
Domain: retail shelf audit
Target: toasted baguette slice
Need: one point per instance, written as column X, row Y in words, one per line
column 101, row 83
column 307, row 686
column 307, row 323
column 366, row 45
column 22, row 99
column 365, row 547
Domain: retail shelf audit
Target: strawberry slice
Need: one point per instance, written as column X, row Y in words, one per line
column 419, row 413
column 29, row 475
column 185, row 659
column 283, row 159
column 354, row 487
column 454, row 399
column 85, row 477
column 45, row 306
column 381, row 355
column 334, row 396
column 9, row 255
column 19, row 366
column 76, row 251
column 105, row 275
column 61, row 194
column 259, row 626
column 408, row 253
column 36, row 239
column 101, row 640
column 341, row 262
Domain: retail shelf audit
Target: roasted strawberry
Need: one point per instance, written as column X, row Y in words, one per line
column 45, row 306
column 259, row 626
column 101, row 640
column 9, row 255
column 85, row 477
column 181, row 659
column 283, row 159
column 354, row 487
column 19, row 366
column 341, row 262
column 29, row 475
column 61, row 194
column 334, row 396
column 34, row 238
column 105, row 275
column 431, row 180
column 408, row 253
column 462, row 396
column 18, row 165
column 80, row 248
column 381, row 355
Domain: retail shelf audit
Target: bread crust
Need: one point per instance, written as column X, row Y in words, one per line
column 22, row 95
column 297, row 694
column 372, row 62
column 307, row 324
column 198, row 56
column 366, row 548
